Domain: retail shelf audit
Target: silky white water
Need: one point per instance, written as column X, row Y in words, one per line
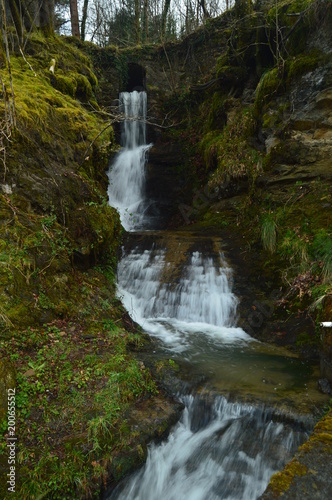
column 219, row 449
column 199, row 303
column 126, row 189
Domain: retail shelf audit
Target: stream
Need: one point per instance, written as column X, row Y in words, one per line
column 254, row 409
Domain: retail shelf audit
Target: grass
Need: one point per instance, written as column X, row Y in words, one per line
column 75, row 383
column 269, row 232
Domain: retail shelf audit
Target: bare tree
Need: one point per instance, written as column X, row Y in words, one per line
column 137, row 23
column 164, row 17
column 202, row 4
column 84, row 18
column 75, row 27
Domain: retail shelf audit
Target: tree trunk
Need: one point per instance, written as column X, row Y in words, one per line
column 204, row 9
column 46, row 16
column 75, row 27
column 16, row 17
column 137, row 26
column 84, row 18
column 146, row 20
column 164, row 18
column 12, row 114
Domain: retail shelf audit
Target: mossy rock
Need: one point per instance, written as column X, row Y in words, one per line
column 217, row 115
column 299, row 66
column 64, row 84
column 84, row 89
column 281, row 481
column 268, row 87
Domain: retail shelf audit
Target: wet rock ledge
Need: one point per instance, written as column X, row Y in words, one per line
column 309, row 473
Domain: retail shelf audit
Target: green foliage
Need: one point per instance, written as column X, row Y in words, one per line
column 322, row 249
column 269, row 232
column 71, row 399
column 294, row 247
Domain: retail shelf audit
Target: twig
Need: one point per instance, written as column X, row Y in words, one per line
column 22, row 53
column 93, row 142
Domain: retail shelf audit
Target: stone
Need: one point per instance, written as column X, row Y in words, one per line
column 324, row 386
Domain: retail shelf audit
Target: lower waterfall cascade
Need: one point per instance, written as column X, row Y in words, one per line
column 220, row 449
column 230, row 454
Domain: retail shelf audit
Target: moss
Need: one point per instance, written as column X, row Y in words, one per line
column 303, row 64
column 281, row 481
column 84, row 89
column 64, row 84
column 268, row 87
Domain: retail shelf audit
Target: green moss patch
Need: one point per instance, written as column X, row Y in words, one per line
column 281, row 481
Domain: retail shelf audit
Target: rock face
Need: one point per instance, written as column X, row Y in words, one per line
column 164, row 180
column 306, row 151
column 308, row 475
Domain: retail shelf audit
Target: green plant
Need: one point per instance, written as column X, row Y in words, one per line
column 295, row 247
column 322, row 249
column 269, row 232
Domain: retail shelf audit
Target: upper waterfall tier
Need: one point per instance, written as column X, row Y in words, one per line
column 133, row 106
column 126, row 189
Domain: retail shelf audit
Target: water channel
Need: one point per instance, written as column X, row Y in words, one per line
column 253, row 410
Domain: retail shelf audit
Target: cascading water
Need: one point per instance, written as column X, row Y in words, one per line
column 201, row 301
column 127, row 174
column 217, row 451
column 231, row 449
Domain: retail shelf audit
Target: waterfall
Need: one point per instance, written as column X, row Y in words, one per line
column 218, row 450
column 181, row 293
column 200, row 301
column 126, row 189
